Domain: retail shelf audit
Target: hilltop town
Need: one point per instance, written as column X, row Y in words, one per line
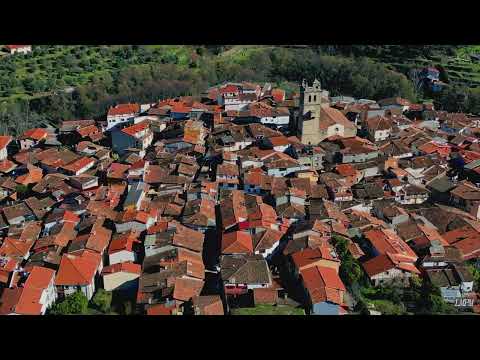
column 244, row 201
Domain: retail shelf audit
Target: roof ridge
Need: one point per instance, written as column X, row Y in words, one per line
column 13, row 245
column 75, row 267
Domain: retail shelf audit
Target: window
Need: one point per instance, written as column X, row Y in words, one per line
column 309, row 98
column 315, row 98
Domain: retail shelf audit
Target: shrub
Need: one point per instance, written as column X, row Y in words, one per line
column 74, row 304
column 102, row 300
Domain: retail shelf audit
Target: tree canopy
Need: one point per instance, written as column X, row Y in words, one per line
column 102, row 300
column 74, row 304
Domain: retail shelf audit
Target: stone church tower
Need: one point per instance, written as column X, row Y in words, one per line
column 310, row 112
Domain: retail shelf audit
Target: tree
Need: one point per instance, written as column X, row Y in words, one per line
column 74, row 304
column 362, row 307
column 21, row 189
column 431, row 300
column 350, row 270
column 102, row 300
column 387, row 307
column 476, row 275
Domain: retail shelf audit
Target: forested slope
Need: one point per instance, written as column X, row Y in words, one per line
column 64, row 82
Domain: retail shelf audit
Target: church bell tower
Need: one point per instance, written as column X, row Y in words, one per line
column 310, row 112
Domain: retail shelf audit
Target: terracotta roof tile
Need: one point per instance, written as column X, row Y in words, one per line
column 137, row 128
column 35, row 134
column 4, row 141
column 128, row 267
column 186, row 288
column 237, row 242
column 77, row 270
column 124, row 109
column 208, row 305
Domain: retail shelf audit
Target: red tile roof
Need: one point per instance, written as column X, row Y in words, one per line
column 124, row 109
column 186, row 288
column 78, row 270
column 33, row 176
column 323, row 284
column 279, row 141
column 4, row 141
column 99, row 239
column 123, row 242
column 382, row 263
column 40, row 277
column 137, row 128
column 35, row 134
column 69, row 216
column 237, row 242
column 88, row 130
column 208, row 305
column 331, row 278
column 278, row 95
column 161, row 309
column 466, row 239
column 309, row 256
column 265, row 296
column 187, row 238
column 29, row 302
column 38, row 280
column 9, row 299
column 432, row 147
column 230, row 88
column 386, row 240
column 346, row 170
column 179, row 107
column 331, row 116
column 13, row 247
column 6, row 166
column 128, row 267
column 79, row 164
column 12, row 47
column 306, row 257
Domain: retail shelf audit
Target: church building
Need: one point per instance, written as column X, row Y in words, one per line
column 317, row 120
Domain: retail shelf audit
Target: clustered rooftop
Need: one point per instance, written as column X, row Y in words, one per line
column 163, row 202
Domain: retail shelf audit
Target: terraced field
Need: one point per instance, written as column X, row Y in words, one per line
column 460, row 68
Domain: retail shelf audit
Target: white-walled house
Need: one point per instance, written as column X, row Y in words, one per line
column 455, row 283
column 122, row 113
column 281, row 120
column 283, row 167
column 32, row 137
column 121, row 248
column 121, row 276
column 121, row 256
column 379, row 128
column 138, row 136
column 245, row 272
column 79, row 166
column 77, row 273
column 19, row 49
column 238, row 102
column 387, row 269
column 266, row 242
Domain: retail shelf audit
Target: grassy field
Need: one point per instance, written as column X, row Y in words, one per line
column 269, row 310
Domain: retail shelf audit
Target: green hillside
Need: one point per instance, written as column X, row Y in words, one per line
column 460, row 69
column 58, row 82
